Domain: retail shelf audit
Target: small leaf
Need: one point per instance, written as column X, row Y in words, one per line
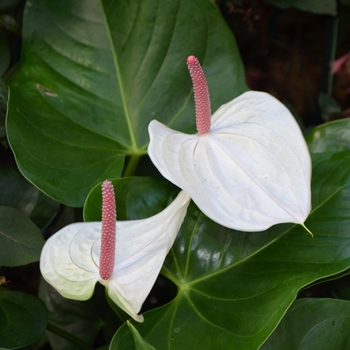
column 313, row 324
column 23, row 319
column 20, row 240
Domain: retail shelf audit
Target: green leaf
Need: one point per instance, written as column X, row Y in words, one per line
column 20, row 240
column 313, row 324
column 330, row 137
column 328, row 7
column 89, row 85
column 140, row 343
column 23, row 319
column 17, row 192
column 235, row 287
column 136, row 198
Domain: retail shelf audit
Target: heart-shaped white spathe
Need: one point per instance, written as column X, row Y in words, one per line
column 70, row 258
column 250, row 171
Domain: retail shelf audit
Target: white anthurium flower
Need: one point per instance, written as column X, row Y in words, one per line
column 126, row 260
column 247, row 168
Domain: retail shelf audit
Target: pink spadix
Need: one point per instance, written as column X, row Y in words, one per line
column 109, row 226
column 201, row 95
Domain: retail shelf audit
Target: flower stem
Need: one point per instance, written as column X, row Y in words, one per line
column 68, row 336
column 131, row 166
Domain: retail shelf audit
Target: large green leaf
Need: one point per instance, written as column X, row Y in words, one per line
column 23, row 319
column 313, row 324
column 20, row 240
column 235, row 287
column 95, row 73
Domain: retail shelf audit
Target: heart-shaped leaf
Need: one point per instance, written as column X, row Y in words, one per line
column 94, row 74
column 313, row 324
column 23, row 319
column 235, row 287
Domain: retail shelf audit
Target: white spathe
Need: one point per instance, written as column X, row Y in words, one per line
column 70, row 258
column 250, row 171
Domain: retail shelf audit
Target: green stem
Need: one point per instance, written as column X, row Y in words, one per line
column 68, row 336
column 132, row 165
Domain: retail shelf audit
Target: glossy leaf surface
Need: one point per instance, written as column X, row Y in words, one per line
column 313, row 324
column 136, row 198
column 20, row 240
column 330, row 137
column 23, row 319
column 89, row 85
column 234, row 287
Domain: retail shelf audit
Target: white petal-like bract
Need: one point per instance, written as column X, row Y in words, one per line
column 70, row 258
column 250, row 171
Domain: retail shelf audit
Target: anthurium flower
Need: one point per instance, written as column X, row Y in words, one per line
column 124, row 256
column 247, row 168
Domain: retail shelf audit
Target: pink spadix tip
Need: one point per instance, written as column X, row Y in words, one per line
column 201, row 95
column 109, row 227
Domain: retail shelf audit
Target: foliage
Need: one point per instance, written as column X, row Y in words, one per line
column 92, row 75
